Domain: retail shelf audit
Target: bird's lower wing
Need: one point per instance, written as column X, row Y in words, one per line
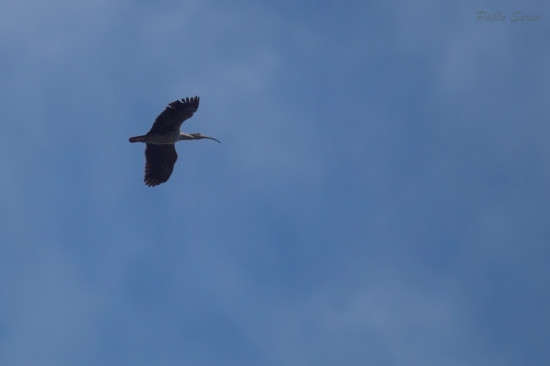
column 159, row 163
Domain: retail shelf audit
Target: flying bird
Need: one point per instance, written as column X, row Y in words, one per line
column 160, row 150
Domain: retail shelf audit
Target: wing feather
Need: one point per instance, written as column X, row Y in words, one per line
column 159, row 163
column 174, row 115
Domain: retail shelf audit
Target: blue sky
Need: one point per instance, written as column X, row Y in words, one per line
column 380, row 195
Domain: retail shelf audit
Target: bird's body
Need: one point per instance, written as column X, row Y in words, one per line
column 170, row 137
column 160, row 151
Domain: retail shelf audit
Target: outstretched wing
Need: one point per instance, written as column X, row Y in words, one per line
column 159, row 163
column 174, row 115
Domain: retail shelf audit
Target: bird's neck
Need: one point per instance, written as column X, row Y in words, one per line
column 184, row 136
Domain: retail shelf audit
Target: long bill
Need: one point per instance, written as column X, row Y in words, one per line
column 211, row 138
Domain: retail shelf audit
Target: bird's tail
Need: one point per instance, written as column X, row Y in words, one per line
column 137, row 139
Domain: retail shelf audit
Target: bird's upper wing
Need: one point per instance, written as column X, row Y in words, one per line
column 174, row 115
column 159, row 163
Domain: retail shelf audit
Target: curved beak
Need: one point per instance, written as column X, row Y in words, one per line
column 211, row 138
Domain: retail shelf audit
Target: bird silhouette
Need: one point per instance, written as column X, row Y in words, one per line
column 160, row 150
